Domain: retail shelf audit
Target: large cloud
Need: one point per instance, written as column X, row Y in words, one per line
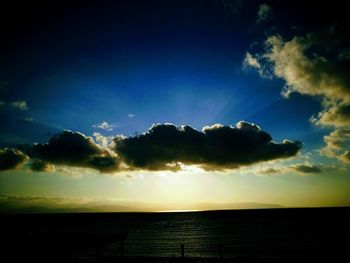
column 216, row 147
column 11, row 159
column 75, row 149
column 162, row 147
column 324, row 76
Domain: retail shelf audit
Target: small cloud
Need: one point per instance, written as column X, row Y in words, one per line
column 299, row 168
column 19, row 104
column 104, row 126
column 41, row 166
column 131, row 115
column 306, row 168
column 263, row 12
column 73, row 172
column 269, row 170
column 29, row 119
column 130, row 177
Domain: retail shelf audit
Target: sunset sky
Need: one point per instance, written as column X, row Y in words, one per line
column 174, row 105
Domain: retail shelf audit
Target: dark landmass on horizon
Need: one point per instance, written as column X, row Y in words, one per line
column 127, row 206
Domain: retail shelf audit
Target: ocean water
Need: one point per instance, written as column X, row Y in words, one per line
column 213, row 234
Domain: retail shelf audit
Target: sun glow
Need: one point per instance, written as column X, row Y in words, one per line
column 178, row 211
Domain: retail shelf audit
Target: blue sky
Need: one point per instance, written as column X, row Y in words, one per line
column 164, row 63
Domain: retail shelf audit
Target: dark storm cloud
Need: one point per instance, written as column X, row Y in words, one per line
column 11, row 159
column 75, row 149
column 162, row 147
column 215, row 148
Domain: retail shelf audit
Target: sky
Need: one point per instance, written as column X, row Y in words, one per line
column 173, row 105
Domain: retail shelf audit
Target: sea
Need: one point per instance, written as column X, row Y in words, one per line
column 263, row 233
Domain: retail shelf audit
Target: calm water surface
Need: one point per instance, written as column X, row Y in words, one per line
column 204, row 234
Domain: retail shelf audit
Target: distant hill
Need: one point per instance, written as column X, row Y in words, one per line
column 37, row 204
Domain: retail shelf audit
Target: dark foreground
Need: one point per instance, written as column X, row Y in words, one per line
column 268, row 235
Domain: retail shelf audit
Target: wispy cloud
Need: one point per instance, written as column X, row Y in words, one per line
column 301, row 169
column 19, row 104
column 104, row 126
column 251, row 61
